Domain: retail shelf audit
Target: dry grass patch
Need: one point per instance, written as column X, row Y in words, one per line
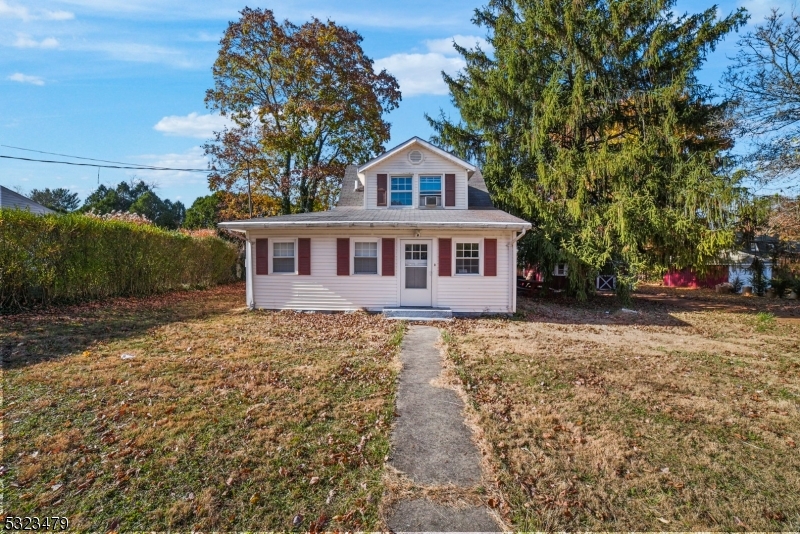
column 670, row 419
column 223, row 419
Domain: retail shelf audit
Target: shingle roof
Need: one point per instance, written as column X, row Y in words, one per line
column 350, row 197
column 478, row 196
column 10, row 200
column 350, row 211
column 389, row 217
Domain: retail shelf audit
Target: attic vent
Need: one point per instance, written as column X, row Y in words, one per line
column 415, row 157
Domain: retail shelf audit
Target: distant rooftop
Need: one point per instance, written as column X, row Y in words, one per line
column 11, row 199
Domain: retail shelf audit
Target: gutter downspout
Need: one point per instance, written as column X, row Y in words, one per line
column 514, row 276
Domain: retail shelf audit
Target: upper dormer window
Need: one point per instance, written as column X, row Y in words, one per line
column 430, row 191
column 401, row 191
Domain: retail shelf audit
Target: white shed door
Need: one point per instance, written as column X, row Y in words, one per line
column 415, row 276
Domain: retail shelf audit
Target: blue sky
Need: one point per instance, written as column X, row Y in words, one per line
column 124, row 80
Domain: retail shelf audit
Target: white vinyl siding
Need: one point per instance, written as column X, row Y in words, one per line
column 324, row 290
column 481, row 294
column 398, row 165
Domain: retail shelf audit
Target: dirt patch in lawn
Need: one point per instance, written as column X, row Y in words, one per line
column 672, row 418
column 191, row 412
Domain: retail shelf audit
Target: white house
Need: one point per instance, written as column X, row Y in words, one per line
column 414, row 228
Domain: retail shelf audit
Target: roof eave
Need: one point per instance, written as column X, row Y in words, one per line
column 243, row 226
column 416, row 140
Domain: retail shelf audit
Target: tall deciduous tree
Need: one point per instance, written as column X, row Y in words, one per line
column 589, row 121
column 764, row 80
column 305, row 102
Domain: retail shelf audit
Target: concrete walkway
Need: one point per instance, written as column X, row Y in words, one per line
column 431, row 444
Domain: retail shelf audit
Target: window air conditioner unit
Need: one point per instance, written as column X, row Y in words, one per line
column 431, row 201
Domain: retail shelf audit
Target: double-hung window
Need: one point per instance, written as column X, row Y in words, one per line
column 430, row 191
column 365, row 257
column 283, row 257
column 401, row 191
column 467, row 258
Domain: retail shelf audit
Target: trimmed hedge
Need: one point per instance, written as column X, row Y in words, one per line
column 70, row 258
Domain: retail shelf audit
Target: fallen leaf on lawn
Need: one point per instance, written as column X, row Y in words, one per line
column 492, row 502
column 255, row 498
column 86, row 354
column 665, row 521
column 127, row 356
column 297, row 520
column 314, row 480
column 230, row 480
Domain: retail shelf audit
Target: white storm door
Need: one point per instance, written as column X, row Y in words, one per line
column 415, row 274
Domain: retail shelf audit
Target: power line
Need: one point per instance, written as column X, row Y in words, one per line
column 76, row 157
column 122, row 166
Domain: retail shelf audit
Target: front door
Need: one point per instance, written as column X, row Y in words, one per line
column 415, row 275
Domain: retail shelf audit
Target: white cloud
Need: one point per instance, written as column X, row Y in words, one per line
column 141, row 53
column 445, row 46
column 57, row 15
column 192, row 125
column 14, row 12
column 25, row 78
column 194, row 158
column 25, row 14
column 420, row 74
column 761, row 9
column 26, row 41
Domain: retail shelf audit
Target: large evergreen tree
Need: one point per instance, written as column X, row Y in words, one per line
column 588, row 120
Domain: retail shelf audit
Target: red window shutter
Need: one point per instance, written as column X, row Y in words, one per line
column 262, row 256
column 449, row 189
column 387, row 256
column 445, row 256
column 343, row 256
column 490, row 257
column 382, row 190
column 304, row 256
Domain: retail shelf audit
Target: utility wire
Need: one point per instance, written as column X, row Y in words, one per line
column 76, row 157
column 123, row 166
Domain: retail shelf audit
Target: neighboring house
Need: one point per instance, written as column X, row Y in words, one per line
column 414, row 227
column 10, row 200
column 738, row 264
column 728, row 268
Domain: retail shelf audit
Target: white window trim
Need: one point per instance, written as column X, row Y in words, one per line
column 479, row 241
column 556, row 269
column 414, row 189
column 272, row 242
column 353, row 241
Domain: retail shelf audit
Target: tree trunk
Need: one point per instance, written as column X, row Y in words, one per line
column 286, row 187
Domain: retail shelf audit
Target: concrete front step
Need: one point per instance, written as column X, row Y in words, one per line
column 408, row 313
